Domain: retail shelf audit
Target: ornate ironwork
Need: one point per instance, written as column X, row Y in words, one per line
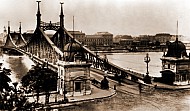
column 50, row 26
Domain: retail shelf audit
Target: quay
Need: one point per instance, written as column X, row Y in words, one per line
column 97, row 95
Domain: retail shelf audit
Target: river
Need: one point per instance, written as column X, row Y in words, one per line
column 157, row 100
column 135, row 61
column 19, row 66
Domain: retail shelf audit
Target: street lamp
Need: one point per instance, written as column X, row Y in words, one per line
column 147, row 78
column 147, row 60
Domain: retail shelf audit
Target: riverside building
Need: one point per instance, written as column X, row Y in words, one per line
column 99, row 39
column 176, row 65
column 73, row 73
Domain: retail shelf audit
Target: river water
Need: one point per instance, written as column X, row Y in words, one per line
column 135, row 62
column 157, row 100
column 19, row 66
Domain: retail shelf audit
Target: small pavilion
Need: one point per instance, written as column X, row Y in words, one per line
column 73, row 72
column 176, row 65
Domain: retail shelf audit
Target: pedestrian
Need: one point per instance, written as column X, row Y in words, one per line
column 140, row 87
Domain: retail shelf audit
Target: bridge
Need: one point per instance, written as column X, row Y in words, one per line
column 61, row 47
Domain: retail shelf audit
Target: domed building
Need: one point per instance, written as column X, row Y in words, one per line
column 73, row 74
column 73, row 51
column 176, row 49
column 176, row 65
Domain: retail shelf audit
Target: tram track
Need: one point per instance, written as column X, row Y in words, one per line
column 142, row 98
column 159, row 100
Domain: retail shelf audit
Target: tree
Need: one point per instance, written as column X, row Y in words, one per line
column 6, row 103
column 5, row 80
column 40, row 79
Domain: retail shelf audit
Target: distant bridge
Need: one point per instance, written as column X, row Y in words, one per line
column 61, row 47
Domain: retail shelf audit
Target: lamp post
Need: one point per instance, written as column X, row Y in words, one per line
column 147, row 60
column 147, row 78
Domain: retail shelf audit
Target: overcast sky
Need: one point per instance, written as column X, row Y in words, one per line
column 132, row 17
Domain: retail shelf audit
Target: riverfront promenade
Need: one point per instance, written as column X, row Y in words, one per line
column 55, row 99
column 97, row 93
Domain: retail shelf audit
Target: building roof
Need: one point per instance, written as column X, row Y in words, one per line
column 103, row 33
column 94, row 36
column 176, row 49
column 72, row 47
column 76, row 32
column 126, row 37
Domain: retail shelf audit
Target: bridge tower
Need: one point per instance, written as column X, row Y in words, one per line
column 62, row 36
column 40, row 45
column 38, row 15
column 20, row 41
column 61, row 16
column 9, row 41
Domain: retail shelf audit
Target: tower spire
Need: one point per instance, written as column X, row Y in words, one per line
column 177, row 32
column 73, row 27
column 20, row 28
column 8, row 27
column 61, row 16
column 38, row 14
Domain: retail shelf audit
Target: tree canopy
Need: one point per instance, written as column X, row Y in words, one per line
column 4, row 79
column 40, row 78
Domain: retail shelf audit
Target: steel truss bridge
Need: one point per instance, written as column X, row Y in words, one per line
column 43, row 49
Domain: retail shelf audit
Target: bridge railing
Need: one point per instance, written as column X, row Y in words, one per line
column 105, row 65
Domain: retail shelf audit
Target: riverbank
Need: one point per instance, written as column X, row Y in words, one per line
column 128, row 51
column 97, row 94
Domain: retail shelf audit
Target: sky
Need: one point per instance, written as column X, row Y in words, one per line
column 124, row 17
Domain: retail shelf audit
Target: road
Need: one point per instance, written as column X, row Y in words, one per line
column 128, row 97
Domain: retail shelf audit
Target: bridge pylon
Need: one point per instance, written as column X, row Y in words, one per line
column 20, row 41
column 9, row 41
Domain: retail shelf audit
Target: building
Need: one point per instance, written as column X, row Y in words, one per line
column 163, row 38
column 73, row 72
column 116, row 39
column 94, row 40
column 74, row 78
column 126, row 40
column 99, row 39
column 79, row 35
column 176, row 65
